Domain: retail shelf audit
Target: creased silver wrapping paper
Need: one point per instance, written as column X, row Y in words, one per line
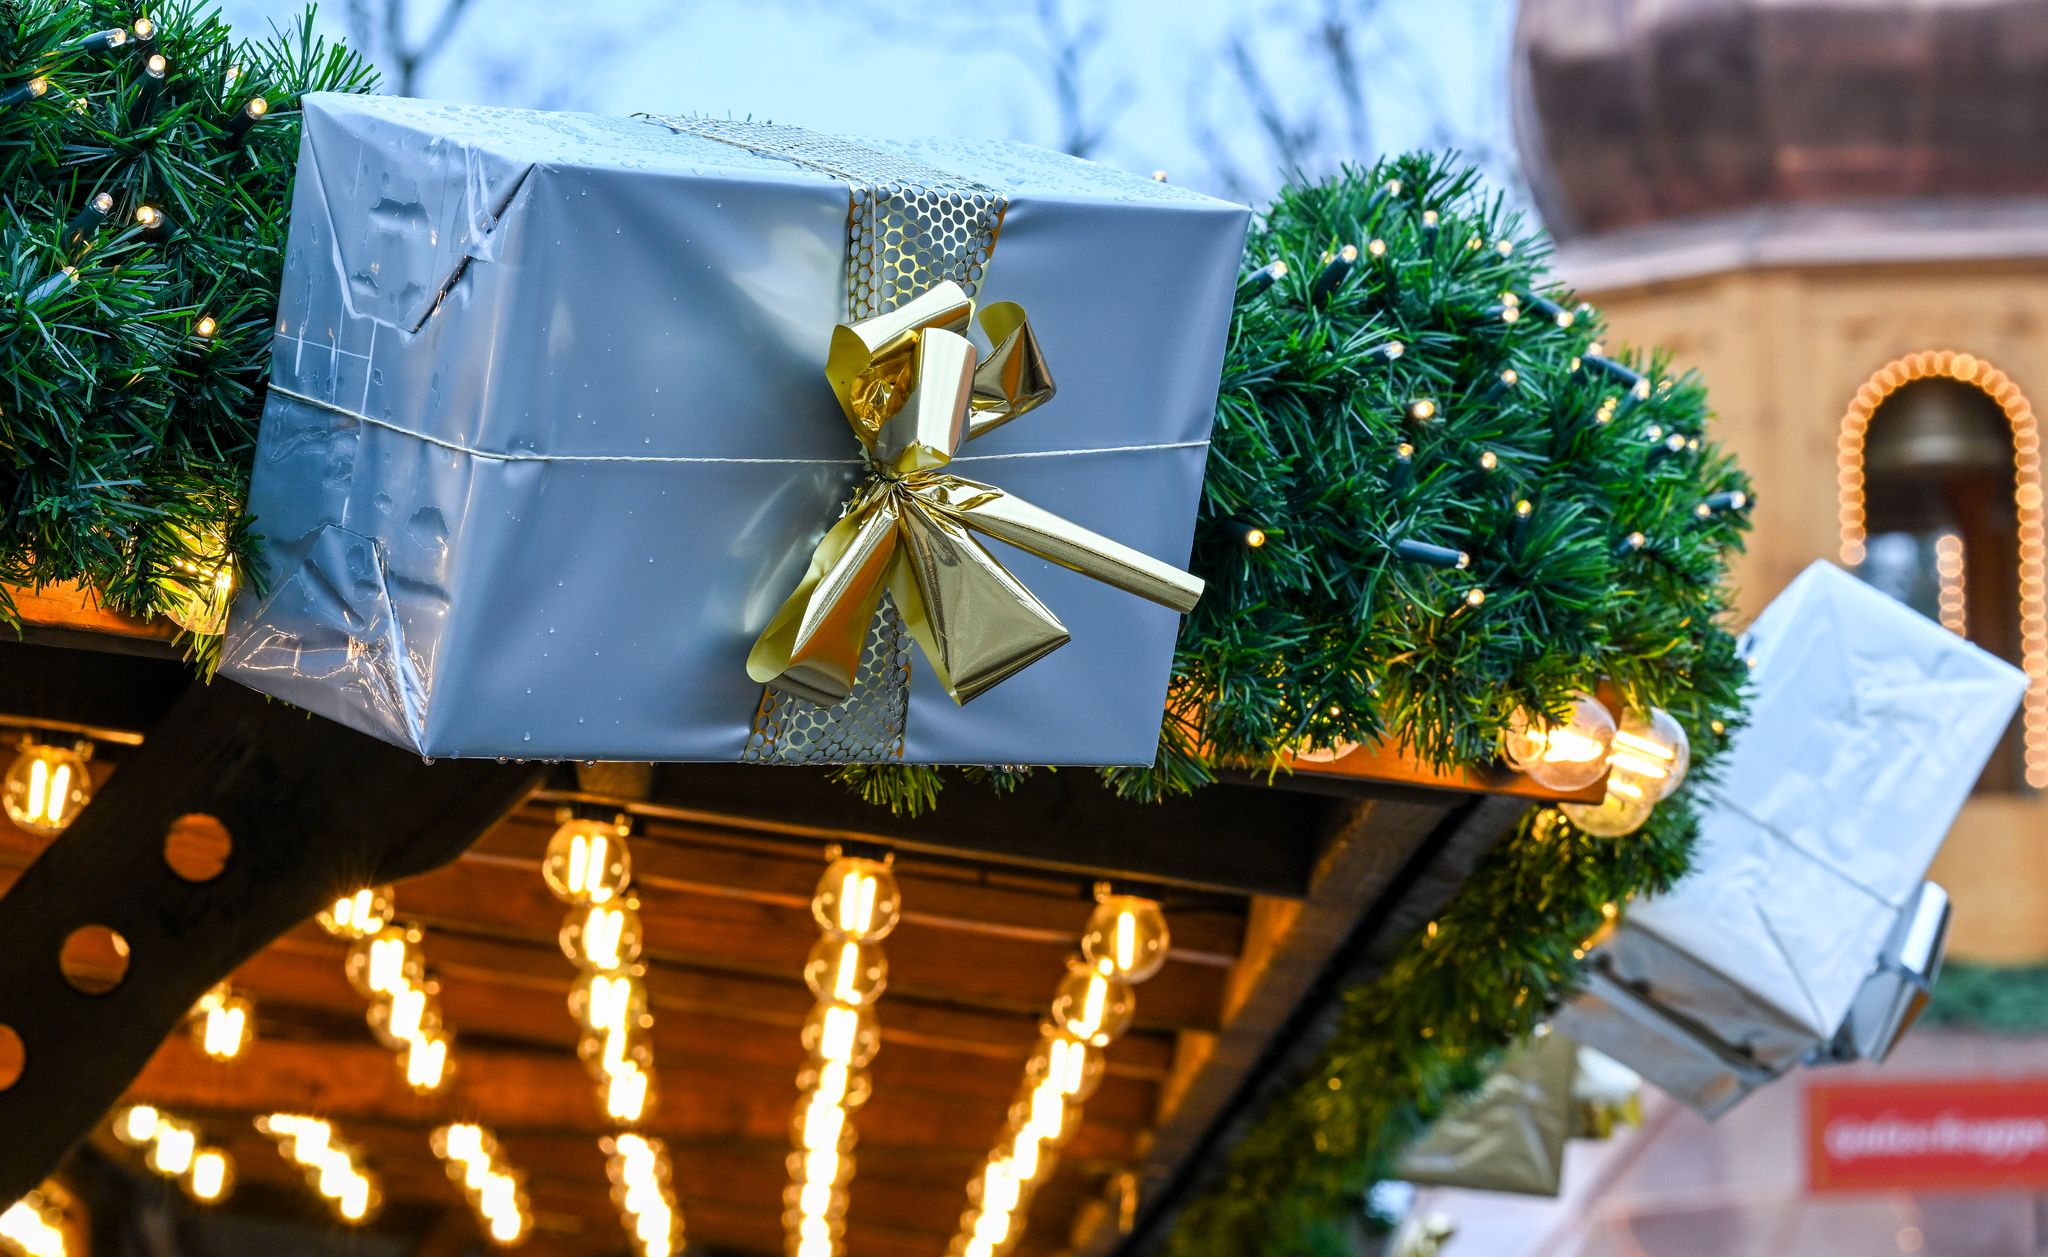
column 602, row 288
column 1869, row 725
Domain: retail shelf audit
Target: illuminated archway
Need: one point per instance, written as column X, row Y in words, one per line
column 2033, row 562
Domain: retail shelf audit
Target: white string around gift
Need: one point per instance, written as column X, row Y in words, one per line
column 519, row 457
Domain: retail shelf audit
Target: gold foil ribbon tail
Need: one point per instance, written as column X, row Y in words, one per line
column 913, row 393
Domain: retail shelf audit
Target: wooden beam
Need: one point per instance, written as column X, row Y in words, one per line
column 311, row 808
column 1386, row 876
column 78, row 691
column 1228, row 838
column 65, row 613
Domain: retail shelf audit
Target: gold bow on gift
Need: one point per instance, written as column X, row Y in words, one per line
column 913, row 391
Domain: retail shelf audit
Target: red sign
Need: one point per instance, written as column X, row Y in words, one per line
column 1948, row 1134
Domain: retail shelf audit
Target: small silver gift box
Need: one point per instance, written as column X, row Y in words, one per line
column 549, row 436
column 1869, row 725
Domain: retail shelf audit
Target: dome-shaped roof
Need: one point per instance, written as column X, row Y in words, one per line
column 1631, row 112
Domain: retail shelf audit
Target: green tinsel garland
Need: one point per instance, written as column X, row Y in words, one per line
column 127, row 431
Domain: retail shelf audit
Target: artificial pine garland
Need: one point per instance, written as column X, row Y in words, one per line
column 143, row 213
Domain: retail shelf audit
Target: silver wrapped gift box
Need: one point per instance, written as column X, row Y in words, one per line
column 1869, row 725
column 549, row 437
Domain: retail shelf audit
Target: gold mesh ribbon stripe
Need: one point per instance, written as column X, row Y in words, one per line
column 909, row 226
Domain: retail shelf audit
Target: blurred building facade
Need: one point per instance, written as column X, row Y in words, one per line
column 1837, row 211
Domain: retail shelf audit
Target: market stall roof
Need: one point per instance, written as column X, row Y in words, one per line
column 1279, row 893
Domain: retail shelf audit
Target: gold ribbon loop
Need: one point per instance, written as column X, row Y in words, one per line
column 913, row 392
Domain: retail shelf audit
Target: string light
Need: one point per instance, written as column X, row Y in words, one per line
column 1446, row 557
column 104, row 41
column 88, row 220
column 1505, row 248
column 223, row 1023
column 1518, row 528
column 1488, row 460
column 1560, row 756
column 1422, row 410
column 1948, row 573
column 154, row 71
column 1393, row 350
column 358, row 914
column 199, row 588
column 333, row 1168
column 2027, row 501
column 1335, row 267
column 1250, row 536
column 589, row 867
column 1646, row 762
column 1265, row 277
column 587, row 861
column 1376, row 247
column 1475, row 597
column 34, row 1227
column 497, row 1194
column 152, row 223
column 1404, row 467
column 145, row 30
column 1430, row 222
column 251, row 113
column 856, row 904
column 205, row 327
column 55, row 284
column 1630, row 544
column 47, row 786
column 386, row 965
column 35, row 89
column 172, row 1149
column 1126, row 938
column 641, row 1185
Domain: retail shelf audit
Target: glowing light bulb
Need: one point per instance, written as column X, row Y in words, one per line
column 846, row 971
column 1650, row 752
column 171, row 1152
column 461, row 1142
column 156, row 65
column 406, row 1017
column 1422, row 410
column 46, row 788
column 210, row 1176
column 625, row 1094
column 426, row 1063
column 587, row 862
column 1376, row 247
column 857, row 899
column 386, row 962
column 352, row 916
column 205, row 327
column 834, row 1032
column 603, row 938
column 1127, row 937
column 225, row 1025
column 137, row 1124
column 353, row 1201
column 197, row 585
column 1093, row 1006
column 1561, row 757
column 145, row 30
column 605, row 1002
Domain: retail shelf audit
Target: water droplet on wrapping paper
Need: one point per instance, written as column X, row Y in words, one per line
column 551, row 630
column 428, row 528
column 426, row 759
column 382, row 502
column 504, row 759
column 526, row 737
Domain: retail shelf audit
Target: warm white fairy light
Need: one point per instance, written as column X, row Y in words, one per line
column 1948, row 574
column 642, row 1185
column 2027, row 501
column 496, row 1193
column 1126, row 941
column 172, row 1148
column 856, row 905
column 46, row 787
column 387, row 965
column 33, row 1227
column 223, row 1023
column 333, row 1168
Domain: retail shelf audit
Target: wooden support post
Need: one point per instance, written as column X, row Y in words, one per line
column 312, row 809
